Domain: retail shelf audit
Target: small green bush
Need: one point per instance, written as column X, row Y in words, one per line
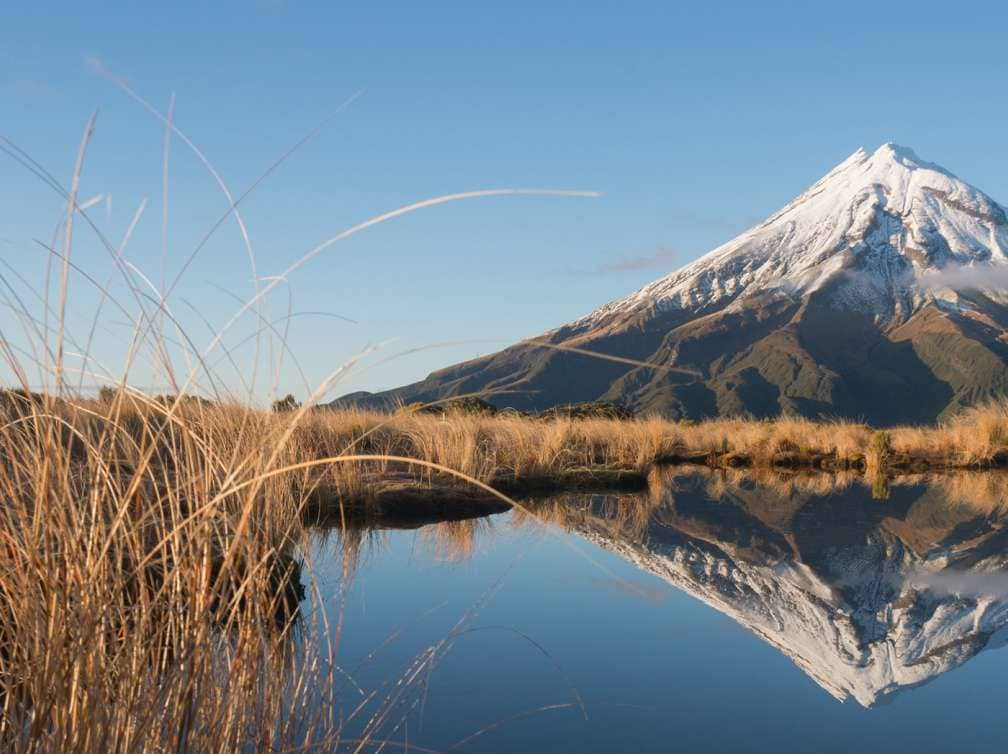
column 468, row 405
column 590, row 410
column 287, row 403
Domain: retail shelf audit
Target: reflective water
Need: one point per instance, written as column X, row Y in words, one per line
column 719, row 613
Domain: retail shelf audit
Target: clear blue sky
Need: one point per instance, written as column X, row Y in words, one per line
column 693, row 120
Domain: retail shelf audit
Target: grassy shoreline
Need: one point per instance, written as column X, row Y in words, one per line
column 360, row 458
column 524, row 455
column 352, row 460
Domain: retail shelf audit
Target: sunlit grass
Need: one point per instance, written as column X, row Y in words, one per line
column 503, row 446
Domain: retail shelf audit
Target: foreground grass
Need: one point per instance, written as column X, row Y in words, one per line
column 149, row 589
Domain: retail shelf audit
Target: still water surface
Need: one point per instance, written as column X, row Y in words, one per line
column 717, row 613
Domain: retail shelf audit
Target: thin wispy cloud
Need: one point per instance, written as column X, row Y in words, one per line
column 652, row 593
column 659, row 258
column 663, row 259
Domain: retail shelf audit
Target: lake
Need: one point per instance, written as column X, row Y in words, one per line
column 719, row 612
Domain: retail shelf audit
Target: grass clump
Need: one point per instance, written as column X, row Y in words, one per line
column 149, row 587
column 463, row 406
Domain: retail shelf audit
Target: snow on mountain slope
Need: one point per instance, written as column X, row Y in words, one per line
column 879, row 219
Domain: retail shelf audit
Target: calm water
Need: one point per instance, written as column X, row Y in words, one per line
column 716, row 614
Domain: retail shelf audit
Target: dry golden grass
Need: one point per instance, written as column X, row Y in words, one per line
column 977, row 436
column 148, row 593
column 491, row 448
column 486, row 447
column 146, row 546
column 150, row 587
column 318, row 445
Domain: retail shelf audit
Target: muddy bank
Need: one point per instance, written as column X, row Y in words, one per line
column 410, row 500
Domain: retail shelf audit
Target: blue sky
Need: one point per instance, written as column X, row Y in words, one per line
column 692, row 121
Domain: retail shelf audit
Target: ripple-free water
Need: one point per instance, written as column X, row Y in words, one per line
column 718, row 613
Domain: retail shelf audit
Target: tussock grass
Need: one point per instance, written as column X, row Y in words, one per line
column 487, row 448
column 976, row 437
column 149, row 588
column 504, row 446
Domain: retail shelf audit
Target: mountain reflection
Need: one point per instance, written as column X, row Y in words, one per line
column 867, row 596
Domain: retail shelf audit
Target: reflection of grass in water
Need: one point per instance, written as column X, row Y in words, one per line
column 626, row 518
column 455, row 541
column 880, row 487
column 983, row 493
column 723, row 482
column 624, row 515
column 941, row 502
column 451, row 541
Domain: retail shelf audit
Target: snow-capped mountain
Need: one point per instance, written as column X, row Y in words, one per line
column 880, row 293
column 889, row 215
column 866, row 608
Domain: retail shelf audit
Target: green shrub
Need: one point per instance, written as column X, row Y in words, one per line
column 590, row 410
column 468, row 405
column 287, row 403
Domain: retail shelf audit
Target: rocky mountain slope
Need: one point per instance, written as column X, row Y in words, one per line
column 880, row 293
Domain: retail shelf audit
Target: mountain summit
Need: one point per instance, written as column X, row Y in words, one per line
column 880, row 293
column 876, row 222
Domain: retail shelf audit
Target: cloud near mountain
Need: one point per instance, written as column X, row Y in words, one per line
column 977, row 277
column 656, row 259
